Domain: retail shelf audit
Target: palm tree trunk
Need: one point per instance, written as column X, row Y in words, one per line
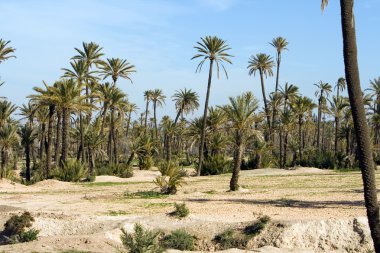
column 285, row 148
column 41, row 150
column 155, row 120
column 234, row 183
column 65, row 134
column 336, row 149
column 300, row 137
column 281, row 154
column 177, row 117
column 104, row 118
column 58, row 137
column 366, row 162
column 81, row 129
column 49, row 139
column 203, row 135
column 128, row 125
column 265, row 105
column 319, row 122
column 146, row 115
column 27, row 161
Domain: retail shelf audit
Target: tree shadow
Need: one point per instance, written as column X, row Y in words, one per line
column 285, row 202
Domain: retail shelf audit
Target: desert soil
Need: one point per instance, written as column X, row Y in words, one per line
column 312, row 210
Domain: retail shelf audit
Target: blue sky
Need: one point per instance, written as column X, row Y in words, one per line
column 158, row 36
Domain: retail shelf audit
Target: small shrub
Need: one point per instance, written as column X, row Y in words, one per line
column 178, row 239
column 165, row 166
column 230, row 239
column 120, row 170
column 14, row 229
column 181, row 210
column 71, row 171
column 145, row 162
column 256, row 227
column 170, row 183
column 141, row 241
column 215, row 165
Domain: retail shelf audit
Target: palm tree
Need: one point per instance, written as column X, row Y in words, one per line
column 280, row 44
column 301, row 107
column 90, row 54
column 359, row 117
column 338, row 105
column 340, row 86
column 94, row 141
column 28, row 135
column 323, row 91
column 115, row 68
column 6, row 51
column 8, row 139
column 130, row 108
column 264, row 64
column 103, row 93
column 240, row 114
column 147, row 98
column 46, row 97
column 360, row 122
column 186, row 101
column 6, row 110
column 68, row 97
column 158, row 99
column 215, row 50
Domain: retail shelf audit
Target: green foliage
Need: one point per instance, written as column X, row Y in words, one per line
column 141, row 241
column 239, row 238
column 71, row 171
column 215, row 165
column 181, row 210
column 14, row 229
column 321, row 160
column 257, row 226
column 174, row 179
column 119, row 170
column 164, row 166
column 146, row 162
column 178, row 239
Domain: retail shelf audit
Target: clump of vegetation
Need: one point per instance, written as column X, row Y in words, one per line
column 239, row 238
column 318, row 159
column 141, row 241
column 181, row 210
column 15, row 229
column 257, row 226
column 71, row 171
column 165, row 166
column 178, row 239
column 120, row 170
column 215, row 165
column 169, row 184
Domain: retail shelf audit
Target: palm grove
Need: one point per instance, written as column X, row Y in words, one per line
column 83, row 124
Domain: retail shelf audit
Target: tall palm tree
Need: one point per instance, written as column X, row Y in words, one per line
column 158, row 99
column 240, row 114
column 360, row 122
column 340, row 86
column 28, row 135
column 323, row 91
column 215, row 50
column 280, row 44
column 130, row 108
column 103, row 93
column 8, row 139
column 69, row 99
column 91, row 54
column 46, row 97
column 6, row 51
column 264, row 64
column 116, row 68
column 147, row 98
column 186, row 101
column 301, row 107
column 6, row 110
column 337, row 107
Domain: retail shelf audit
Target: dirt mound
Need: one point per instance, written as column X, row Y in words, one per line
column 291, row 171
column 138, row 176
column 6, row 184
column 52, row 183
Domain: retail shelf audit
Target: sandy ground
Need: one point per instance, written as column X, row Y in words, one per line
column 308, row 202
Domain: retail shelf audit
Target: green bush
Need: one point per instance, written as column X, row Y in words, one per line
column 141, row 241
column 230, row 239
column 169, row 184
column 256, row 227
column 145, row 162
column 215, row 165
column 119, row 170
column 14, row 229
column 71, row 171
column 318, row 159
column 164, row 166
column 178, row 239
column 181, row 210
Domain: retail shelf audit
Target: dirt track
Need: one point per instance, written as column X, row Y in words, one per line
column 88, row 216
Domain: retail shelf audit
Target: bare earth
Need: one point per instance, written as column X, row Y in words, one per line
column 312, row 210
